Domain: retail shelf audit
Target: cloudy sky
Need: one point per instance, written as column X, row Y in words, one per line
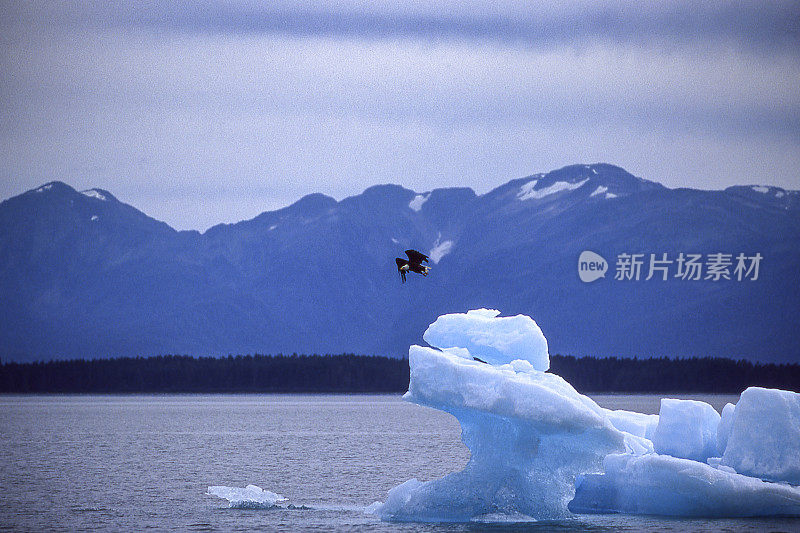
column 214, row 111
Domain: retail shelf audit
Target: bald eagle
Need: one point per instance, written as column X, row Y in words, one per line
column 414, row 264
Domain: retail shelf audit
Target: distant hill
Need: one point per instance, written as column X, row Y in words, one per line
column 84, row 275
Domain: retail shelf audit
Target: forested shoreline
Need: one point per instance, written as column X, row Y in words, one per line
column 350, row 373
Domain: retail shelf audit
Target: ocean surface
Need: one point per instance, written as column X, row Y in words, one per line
column 133, row 463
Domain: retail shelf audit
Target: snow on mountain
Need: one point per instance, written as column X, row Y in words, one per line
column 777, row 192
column 533, row 194
column 526, row 188
column 599, row 190
column 95, row 193
column 440, row 249
column 416, row 203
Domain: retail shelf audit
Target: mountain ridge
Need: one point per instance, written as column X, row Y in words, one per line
column 83, row 274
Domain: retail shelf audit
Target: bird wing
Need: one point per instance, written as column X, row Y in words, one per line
column 401, row 263
column 416, row 257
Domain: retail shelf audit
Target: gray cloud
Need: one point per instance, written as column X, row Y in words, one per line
column 209, row 112
column 747, row 24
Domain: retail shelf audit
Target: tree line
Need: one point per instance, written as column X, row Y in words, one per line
column 360, row 374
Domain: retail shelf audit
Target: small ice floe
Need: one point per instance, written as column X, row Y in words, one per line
column 250, row 497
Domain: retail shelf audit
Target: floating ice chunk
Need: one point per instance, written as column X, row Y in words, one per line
column 496, row 340
column 663, row 485
column 724, row 428
column 250, row 497
column 529, row 435
column 764, row 438
column 687, row 429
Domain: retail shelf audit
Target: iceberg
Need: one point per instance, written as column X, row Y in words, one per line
column 541, row 450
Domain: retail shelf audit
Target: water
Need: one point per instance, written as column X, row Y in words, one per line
column 131, row 463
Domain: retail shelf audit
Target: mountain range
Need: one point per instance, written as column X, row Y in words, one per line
column 85, row 275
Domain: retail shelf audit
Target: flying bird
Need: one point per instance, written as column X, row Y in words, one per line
column 414, row 264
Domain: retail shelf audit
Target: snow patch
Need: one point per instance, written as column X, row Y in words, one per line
column 94, row 193
column 610, row 195
column 760, row 188
column 416, row 203
column 600, row 190
column 395, row 241
column 45, row 187
column 272, row 227
column 780, row 194
column 526, row 189
column 95, row 218
column 559, row 186
column 440, row 249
